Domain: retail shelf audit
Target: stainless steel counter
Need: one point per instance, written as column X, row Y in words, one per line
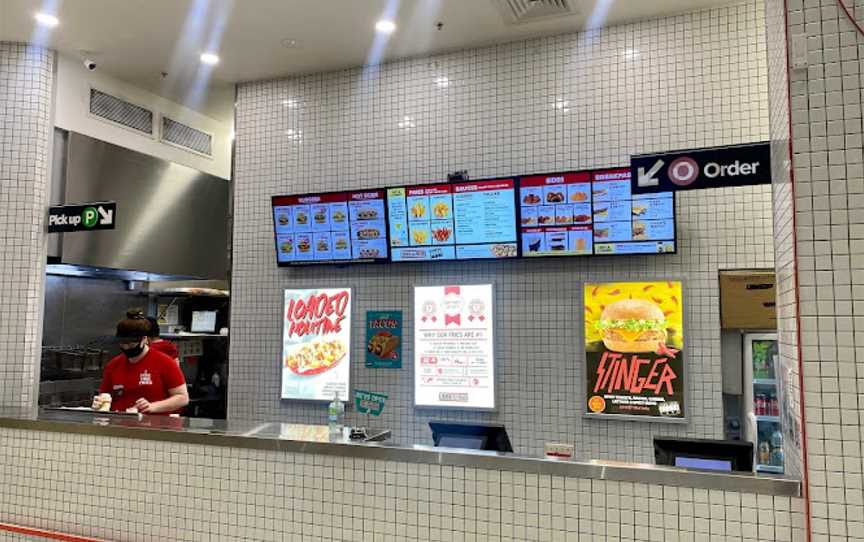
column 314, row 440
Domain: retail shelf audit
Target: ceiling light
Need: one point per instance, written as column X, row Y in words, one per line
column 442, row 81
column 385, row 27
column 290, row 102
column 289, row 43
column 210, row 59
column 562, row 105
column 46, row 19
column 406, row 123
column 630, row 53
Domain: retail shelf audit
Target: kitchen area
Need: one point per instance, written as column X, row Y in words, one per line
column 167, row 256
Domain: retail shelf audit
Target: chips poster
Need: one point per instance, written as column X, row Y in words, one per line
column 316, row 344
column 634, row 349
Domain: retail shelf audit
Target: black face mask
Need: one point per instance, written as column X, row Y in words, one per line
column 133, row 352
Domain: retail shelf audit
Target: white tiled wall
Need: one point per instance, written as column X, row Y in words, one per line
column 568, row 102
column 784, row 250
column 826, row 128
column 26, row 83
column 86, row 486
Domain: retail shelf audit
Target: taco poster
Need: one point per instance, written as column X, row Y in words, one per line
column 634, row 349
column 384, row 339
column 316, row 344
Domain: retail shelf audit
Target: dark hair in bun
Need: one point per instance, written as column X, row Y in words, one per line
column 134, row 326
column 154, row 328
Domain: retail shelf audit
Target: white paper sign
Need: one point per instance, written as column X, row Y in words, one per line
column 453, row 347
column 316, row 344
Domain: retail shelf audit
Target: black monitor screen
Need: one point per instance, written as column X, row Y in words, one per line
column 477, row 436
column 722, row 455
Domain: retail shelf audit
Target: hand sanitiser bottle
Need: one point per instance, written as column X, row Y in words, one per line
column 333, row 411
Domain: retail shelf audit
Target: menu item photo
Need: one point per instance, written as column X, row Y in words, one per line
column 316, row 344
column 634, row 349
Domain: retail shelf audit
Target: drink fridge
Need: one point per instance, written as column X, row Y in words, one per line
column 762, row 398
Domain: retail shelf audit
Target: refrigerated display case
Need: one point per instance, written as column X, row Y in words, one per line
column 762, row 401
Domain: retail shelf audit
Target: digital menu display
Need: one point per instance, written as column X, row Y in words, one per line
column 630, row 224
column 585, row 213
column 330, row 227
column 556, row 216
column 453, row 221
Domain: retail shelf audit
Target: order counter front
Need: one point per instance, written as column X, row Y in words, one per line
column 313, row 439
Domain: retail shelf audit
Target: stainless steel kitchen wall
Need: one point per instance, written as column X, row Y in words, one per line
column 171, row 219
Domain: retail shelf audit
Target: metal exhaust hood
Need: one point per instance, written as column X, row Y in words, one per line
column 172, row 220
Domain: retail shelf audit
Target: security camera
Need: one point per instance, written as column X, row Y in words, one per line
column 90, row 64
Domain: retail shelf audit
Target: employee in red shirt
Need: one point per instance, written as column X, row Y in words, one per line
column 159, row 344
column 141, row 377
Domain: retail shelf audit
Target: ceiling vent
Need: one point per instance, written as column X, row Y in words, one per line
column 182, row 135
column 527, row 11
column 128, row 115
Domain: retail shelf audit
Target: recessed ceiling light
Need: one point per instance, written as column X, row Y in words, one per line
column 210, row 59
column 46, row 19
column 289, row 43
column 631, row 53
column 442, row 81
column 385, row 27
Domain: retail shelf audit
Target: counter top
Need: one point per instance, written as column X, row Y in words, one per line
column 314, row 440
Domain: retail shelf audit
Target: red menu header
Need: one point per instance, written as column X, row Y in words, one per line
column 428, row 190
column 480, row 186
column 612, row 175
column 329, row 197
column 548, row 180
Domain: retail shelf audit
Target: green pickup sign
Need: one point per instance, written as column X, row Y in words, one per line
column 367, row 402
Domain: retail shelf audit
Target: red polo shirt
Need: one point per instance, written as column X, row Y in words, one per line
column 150, row 377
column 166, row 347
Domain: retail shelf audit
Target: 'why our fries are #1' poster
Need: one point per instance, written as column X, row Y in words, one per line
column 316, row 344
column 634, row 349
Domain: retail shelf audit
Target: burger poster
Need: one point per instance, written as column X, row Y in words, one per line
column 634, row 349
column 316, row 344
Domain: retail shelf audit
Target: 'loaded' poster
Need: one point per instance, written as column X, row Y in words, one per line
column 634, row 349
column 316, row 344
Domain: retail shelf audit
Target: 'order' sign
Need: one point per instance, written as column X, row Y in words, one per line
column 739, row 165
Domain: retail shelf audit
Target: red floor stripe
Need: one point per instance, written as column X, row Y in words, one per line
column 49, row 535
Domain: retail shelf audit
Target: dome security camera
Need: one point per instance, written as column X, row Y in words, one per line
column 90, row 64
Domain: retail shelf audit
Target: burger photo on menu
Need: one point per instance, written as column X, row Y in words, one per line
column 634, row 349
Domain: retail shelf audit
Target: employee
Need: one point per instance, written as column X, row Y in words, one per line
column 141, row 378
column 159, row 344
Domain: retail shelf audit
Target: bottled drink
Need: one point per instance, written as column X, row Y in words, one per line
column 764, row 453
column 333, row 411
column 775, row 408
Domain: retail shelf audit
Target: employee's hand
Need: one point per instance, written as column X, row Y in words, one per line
column 144, row 406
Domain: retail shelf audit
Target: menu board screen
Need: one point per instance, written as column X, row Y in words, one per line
column 453, row 347
column 630, row 224
column 556, row 217
column 453, row 221
column 330, row 227
column 584, row 213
